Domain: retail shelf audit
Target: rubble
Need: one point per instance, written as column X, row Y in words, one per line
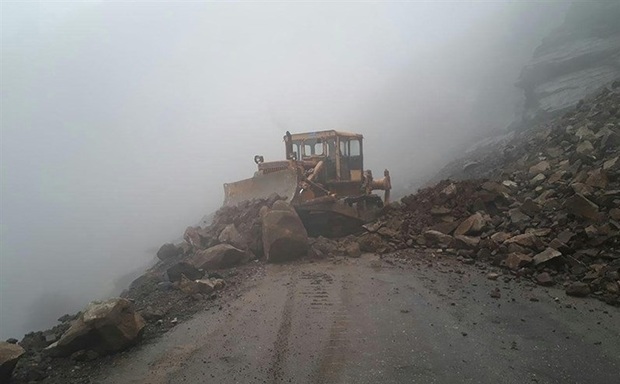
column 549, row 211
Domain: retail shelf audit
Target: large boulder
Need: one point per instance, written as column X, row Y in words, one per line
column 473, row 225
column 168, row 251
column 353, row 250
column 104, row 327
column 581, row 206
column 372, row 242
column 197, row 237
column 284, row 235
column 9, row 355
column 183, row 268
column 437, row 239
column 230, row 235
column 219, row 257
column 516, row 260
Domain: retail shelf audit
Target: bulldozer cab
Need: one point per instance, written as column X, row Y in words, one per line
column 340, row 151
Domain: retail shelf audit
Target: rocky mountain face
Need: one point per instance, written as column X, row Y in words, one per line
column 578, row 58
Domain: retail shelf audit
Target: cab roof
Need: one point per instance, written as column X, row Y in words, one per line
column 325, row 134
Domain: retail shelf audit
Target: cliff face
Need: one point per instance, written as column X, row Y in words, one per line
column 579, row 57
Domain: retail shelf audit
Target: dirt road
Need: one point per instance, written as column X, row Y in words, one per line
column 368, row 321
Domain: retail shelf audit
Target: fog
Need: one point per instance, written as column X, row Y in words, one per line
column 120, row 122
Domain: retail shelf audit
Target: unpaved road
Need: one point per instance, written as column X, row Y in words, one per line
column 368, row 321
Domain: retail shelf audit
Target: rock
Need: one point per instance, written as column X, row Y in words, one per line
column 560, row 246
column 373, row 227
column 565, row 236
column 206, row 285
column 9, row 355
column 218, row 283
column 492, row 276
column 449, row 190
column 612, row 287
column 168, row 251
column 388, row 232
column 446, row 228
column 540, row 167
column 580, row 206
column 153, row 314
column 353, row 250
column 473, row 225
column 583, row 133
column 544, row 279
column 500, row 237
column 546, row 255
column 592, row 231
column 187, row 286
column 578, row 289
column 193, row 236
column 437, row 239
column 597, row 179
column 585, row 148
column 529, row 207
column 84, row 355
column 371, row 242
column 555, row 177
column 495, row 293
column 219, row 257
column 230, row 235
column 611, row 164
column 466, row 242
column 104, row 327
column 528, row 240
column 284, row 235
column 614, row 213
column 515, row 260
column 516, row 216
column 492, row 186
column 440, row 211
column 183, row 268
column 582, row 189
column 538, row 179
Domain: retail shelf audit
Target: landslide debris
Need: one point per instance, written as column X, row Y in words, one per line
column 549, row 213
column 188, row 277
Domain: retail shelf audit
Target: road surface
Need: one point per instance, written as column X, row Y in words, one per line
column 369, row 321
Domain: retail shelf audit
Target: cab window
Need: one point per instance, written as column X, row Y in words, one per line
column 318, row 149
column 344, row 148
column 354, row 148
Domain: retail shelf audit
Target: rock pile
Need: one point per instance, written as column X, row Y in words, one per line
column 552, row 214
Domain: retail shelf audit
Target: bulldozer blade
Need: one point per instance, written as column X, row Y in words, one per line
column 283, row 183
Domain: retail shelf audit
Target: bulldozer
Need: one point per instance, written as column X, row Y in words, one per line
column 323, row 178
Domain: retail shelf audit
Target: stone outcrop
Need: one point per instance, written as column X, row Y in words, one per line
column 576, row 59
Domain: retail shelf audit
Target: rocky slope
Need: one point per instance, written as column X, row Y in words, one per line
column 579, row 57
column 549, row 212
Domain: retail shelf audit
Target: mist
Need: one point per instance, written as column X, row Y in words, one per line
column 120, row 122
